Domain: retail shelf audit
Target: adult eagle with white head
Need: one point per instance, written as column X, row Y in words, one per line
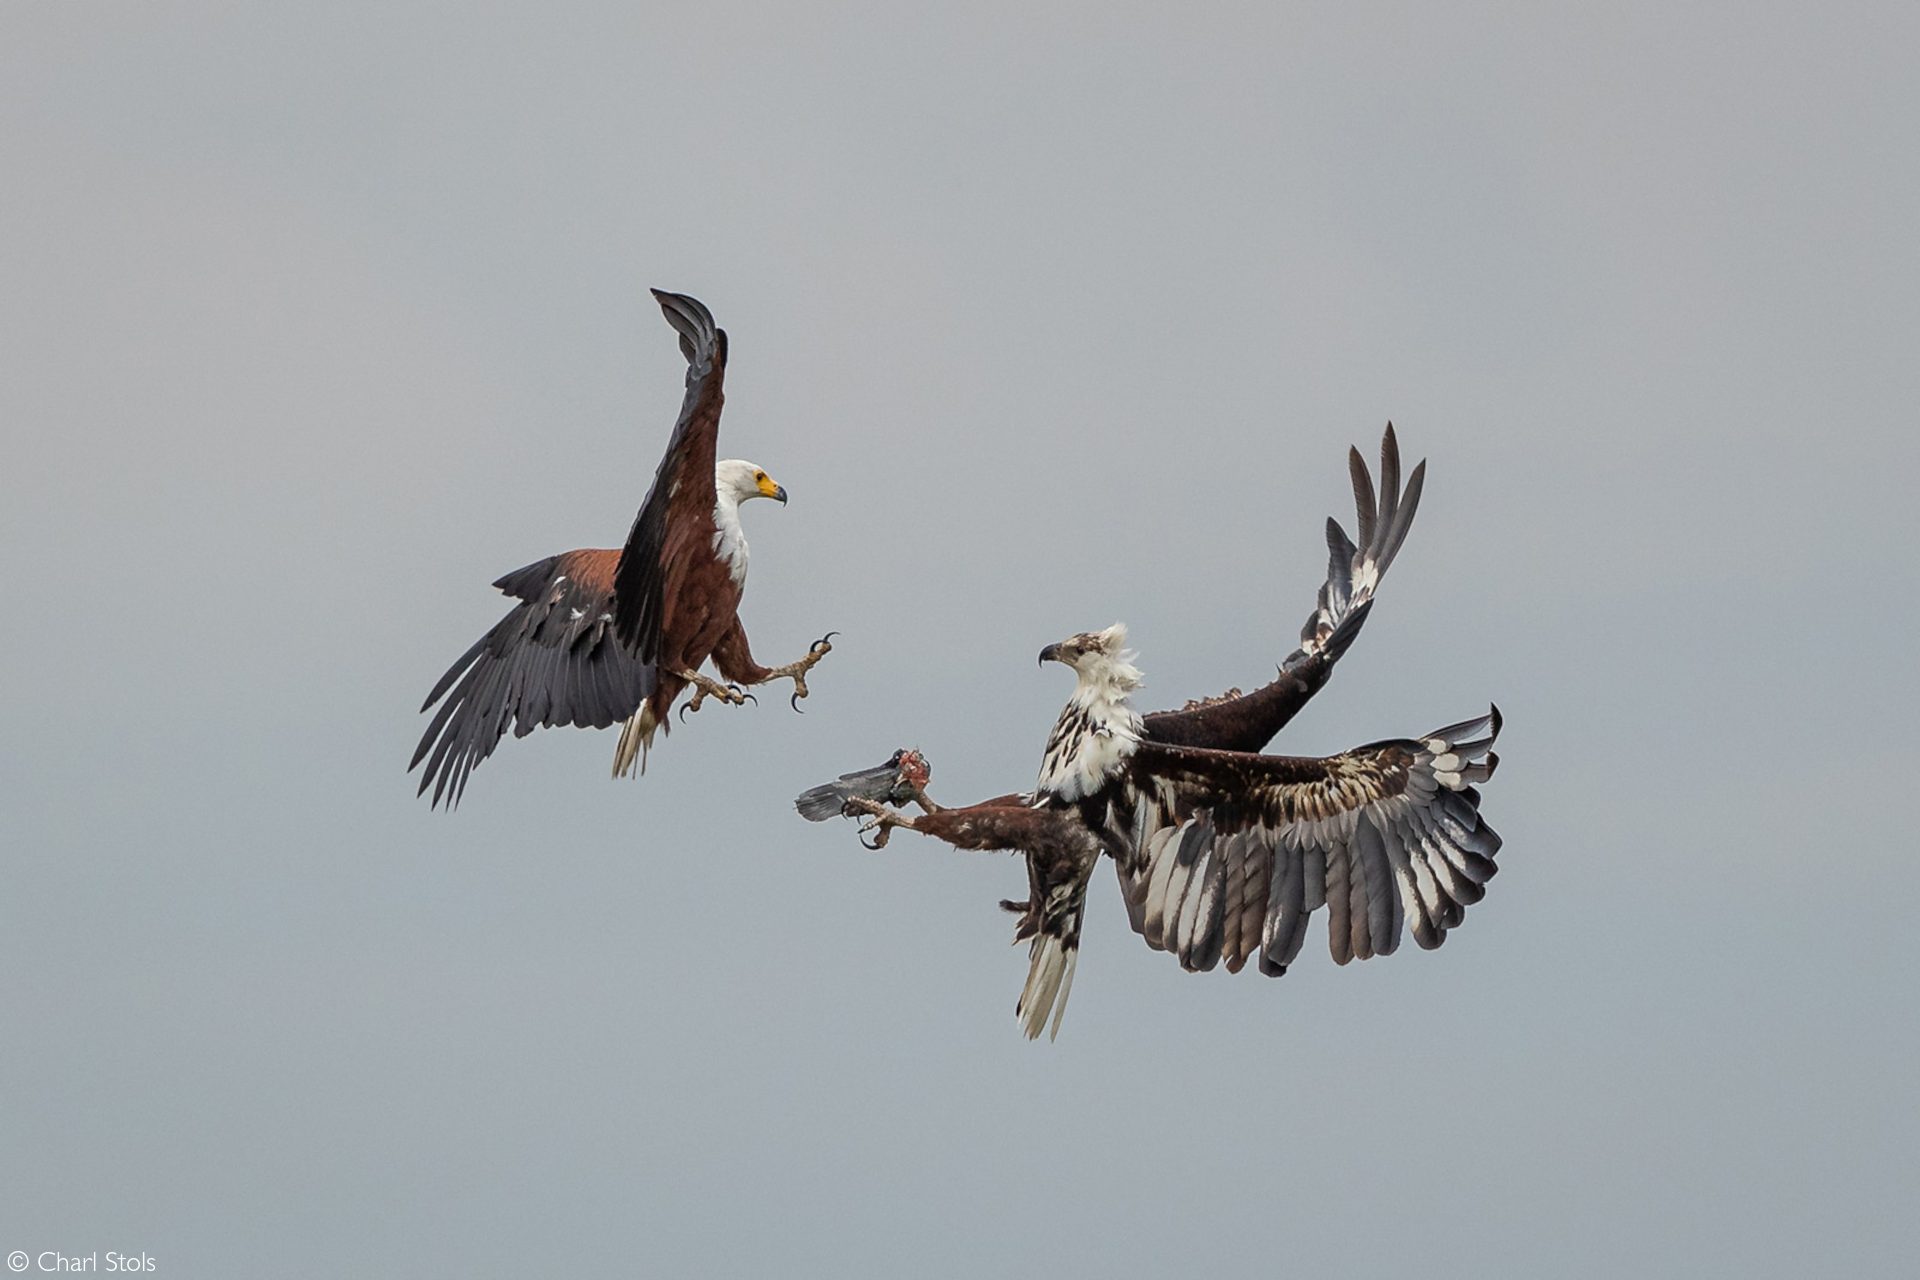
column 602, row 636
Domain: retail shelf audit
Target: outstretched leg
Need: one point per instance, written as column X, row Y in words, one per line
column 734, row 657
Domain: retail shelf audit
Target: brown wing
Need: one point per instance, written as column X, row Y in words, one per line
column 552, row 660
column 1247, row 722
column 675, row 523
column 1233, row 851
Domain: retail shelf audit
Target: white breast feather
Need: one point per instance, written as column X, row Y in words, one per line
column 1091, row 741
column 729, row 540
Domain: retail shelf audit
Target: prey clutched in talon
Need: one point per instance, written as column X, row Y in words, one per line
column 900, row 779
column 705, row 687
column 796, row 670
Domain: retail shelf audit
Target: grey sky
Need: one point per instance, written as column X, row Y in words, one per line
column 316, row 320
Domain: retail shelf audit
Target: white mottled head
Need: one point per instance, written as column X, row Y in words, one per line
column 1100, row 658
column 738, row 480
column 1098, row 728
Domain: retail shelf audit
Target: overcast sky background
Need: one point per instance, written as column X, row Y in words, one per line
column 316, row 319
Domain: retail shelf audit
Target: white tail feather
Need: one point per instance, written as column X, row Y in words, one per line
column 1066, row 987
column 636, row 739
column 1049, row 979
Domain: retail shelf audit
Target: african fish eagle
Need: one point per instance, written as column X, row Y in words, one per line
column 603, row 635
column 1223, row 853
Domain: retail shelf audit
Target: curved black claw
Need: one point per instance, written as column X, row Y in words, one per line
column 686, row 707
column 794, row 701
column 878, row 844
column 824, row 643
column 745, row 697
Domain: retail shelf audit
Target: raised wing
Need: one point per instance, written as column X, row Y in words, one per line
column 1235, row 851
column 552, row 660
column 676, row 520
column 1247, row 722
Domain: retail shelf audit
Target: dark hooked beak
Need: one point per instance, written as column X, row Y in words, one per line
column 1050, row 654
column 780, row 494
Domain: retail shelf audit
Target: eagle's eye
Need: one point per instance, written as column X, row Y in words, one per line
column 759, row 475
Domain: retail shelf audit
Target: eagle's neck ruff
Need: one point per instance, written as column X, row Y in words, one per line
column 729, row 539
column 1097, row 731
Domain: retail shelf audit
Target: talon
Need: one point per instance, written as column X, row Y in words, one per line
column 824, row 644
column 692, row 704
column 879, row 821
column 794, row 701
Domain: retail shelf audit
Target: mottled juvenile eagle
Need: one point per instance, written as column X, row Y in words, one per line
column 1224, row 853
column 602, row 635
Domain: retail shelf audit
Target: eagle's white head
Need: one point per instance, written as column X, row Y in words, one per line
column 734, row 481
column 737, row 480
column 1098, row 729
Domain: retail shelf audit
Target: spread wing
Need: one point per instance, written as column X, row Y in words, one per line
column 676, row 520
column 552, row 660
column 1247, row 722
column 1233, row 851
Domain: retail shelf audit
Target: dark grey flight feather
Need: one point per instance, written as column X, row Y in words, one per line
column 1355, row 566
column 884, row 783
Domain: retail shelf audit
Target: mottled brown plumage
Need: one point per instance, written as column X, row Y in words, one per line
column 1224, row 853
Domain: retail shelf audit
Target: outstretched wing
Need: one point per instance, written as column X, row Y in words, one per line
column 552, row 660
column 1247, row 722
column 1233, row 851
column 676, row 521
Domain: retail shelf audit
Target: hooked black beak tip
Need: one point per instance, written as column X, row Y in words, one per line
column 780, row 494
column 1050, row 654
